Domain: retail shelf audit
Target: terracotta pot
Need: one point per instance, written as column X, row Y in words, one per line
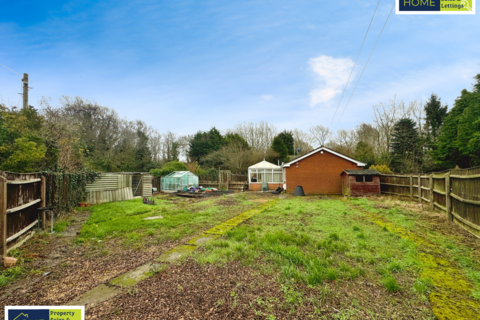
column 9, row 262
column 82, row 204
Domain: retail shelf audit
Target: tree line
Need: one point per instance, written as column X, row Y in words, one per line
column 82, row 135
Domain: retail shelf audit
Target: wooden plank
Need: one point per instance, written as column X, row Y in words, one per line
column 3, row 216
column 18, row 234
column 468, row 223
column 440, row 206
column 424, row 188
column 26, row 205
column 472, row 176
column 397, row 194
column 465, row 200
column 411, row 187
column 397, row 185
column 43, row 197
column 425, row 199
column 23, row 181
column 448, row 199
column 439, row 192
column 430, row 181
column 419, row 189
column 21, row 242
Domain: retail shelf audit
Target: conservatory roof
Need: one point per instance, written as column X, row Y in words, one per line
column 264, row 165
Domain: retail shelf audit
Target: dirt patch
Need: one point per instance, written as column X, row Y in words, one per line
column 227, row 202
column 261, row 201
column 194, row 291
column 72, row 269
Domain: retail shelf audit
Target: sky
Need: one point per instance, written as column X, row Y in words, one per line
column 184, row 66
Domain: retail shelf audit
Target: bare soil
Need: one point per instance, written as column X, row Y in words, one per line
column 194, row 291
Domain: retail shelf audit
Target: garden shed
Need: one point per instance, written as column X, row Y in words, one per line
column 118, row 186
column 318, row 172
column 264, row 176
column 177, row 180
column 358, row 183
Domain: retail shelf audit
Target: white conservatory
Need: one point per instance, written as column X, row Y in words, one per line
column 265, row 176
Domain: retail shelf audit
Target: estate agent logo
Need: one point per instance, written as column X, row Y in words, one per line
column 435, row 7
column 45, row 313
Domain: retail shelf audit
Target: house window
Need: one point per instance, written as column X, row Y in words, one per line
column 359, row 178
column 368, row 178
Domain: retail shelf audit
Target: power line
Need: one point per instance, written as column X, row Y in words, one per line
column 366, row 63
column 351, row 71
column 10, row 69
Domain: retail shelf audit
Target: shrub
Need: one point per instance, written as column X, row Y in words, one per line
column 381, row 168
column 169, row 167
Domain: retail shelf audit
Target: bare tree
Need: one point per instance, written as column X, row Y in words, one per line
column 259, row 136
column 384, row 117
column 344, row 142
column 302, row 140
column 320, row 134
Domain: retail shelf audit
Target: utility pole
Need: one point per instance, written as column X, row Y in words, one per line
column 25, row 90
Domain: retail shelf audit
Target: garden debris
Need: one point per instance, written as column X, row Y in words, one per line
column 31, row 255
column 9, row 262
column 153, row 218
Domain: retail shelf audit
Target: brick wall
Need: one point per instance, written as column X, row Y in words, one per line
column 364, row 188
column 258, row 186
column 318, row 174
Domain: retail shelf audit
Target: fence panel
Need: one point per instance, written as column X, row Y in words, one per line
column 456, row 192
column 21, row 197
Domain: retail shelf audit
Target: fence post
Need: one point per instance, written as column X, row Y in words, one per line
column 430, row 182
column 411, row 187
column 3, row 217
column 43, row 203
column 448, row 198
column 420, row 189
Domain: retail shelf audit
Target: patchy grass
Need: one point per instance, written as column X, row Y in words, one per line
column 9, row 275
column 181, row 218
column 313, row 244
column 61, row 226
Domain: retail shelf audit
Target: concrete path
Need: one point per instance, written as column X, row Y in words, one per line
column 108, row 290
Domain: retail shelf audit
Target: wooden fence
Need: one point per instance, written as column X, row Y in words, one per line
column 456, row 192
column 20, row 197
column 230, row 185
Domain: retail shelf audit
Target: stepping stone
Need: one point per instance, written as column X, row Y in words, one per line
column 96, row 295
column 153, row 218
column 176, row 253
column 133, row 277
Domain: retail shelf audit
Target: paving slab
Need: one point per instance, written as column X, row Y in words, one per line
column 96, row 295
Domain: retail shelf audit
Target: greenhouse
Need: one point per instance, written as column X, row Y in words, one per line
column 178, row 180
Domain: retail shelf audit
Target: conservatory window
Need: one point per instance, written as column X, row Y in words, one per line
column 253, row 176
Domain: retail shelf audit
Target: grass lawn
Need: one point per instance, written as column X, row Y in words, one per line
column 333, row 259
column 180, row 218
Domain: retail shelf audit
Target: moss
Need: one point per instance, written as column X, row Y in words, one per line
column 451, row 295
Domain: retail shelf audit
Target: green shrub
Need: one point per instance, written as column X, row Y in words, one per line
column 169, row 167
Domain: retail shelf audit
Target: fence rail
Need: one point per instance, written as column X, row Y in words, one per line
column 456, row 192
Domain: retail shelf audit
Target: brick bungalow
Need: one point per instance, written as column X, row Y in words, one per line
column 318, row 172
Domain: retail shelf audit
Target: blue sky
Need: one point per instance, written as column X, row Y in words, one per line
column 185, row 66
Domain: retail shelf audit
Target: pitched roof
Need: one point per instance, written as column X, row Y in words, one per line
column 366, row 172
column 358, row 163
column 264, row 165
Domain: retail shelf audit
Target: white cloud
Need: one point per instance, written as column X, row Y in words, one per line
column 266, row 97
column 333, row 74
